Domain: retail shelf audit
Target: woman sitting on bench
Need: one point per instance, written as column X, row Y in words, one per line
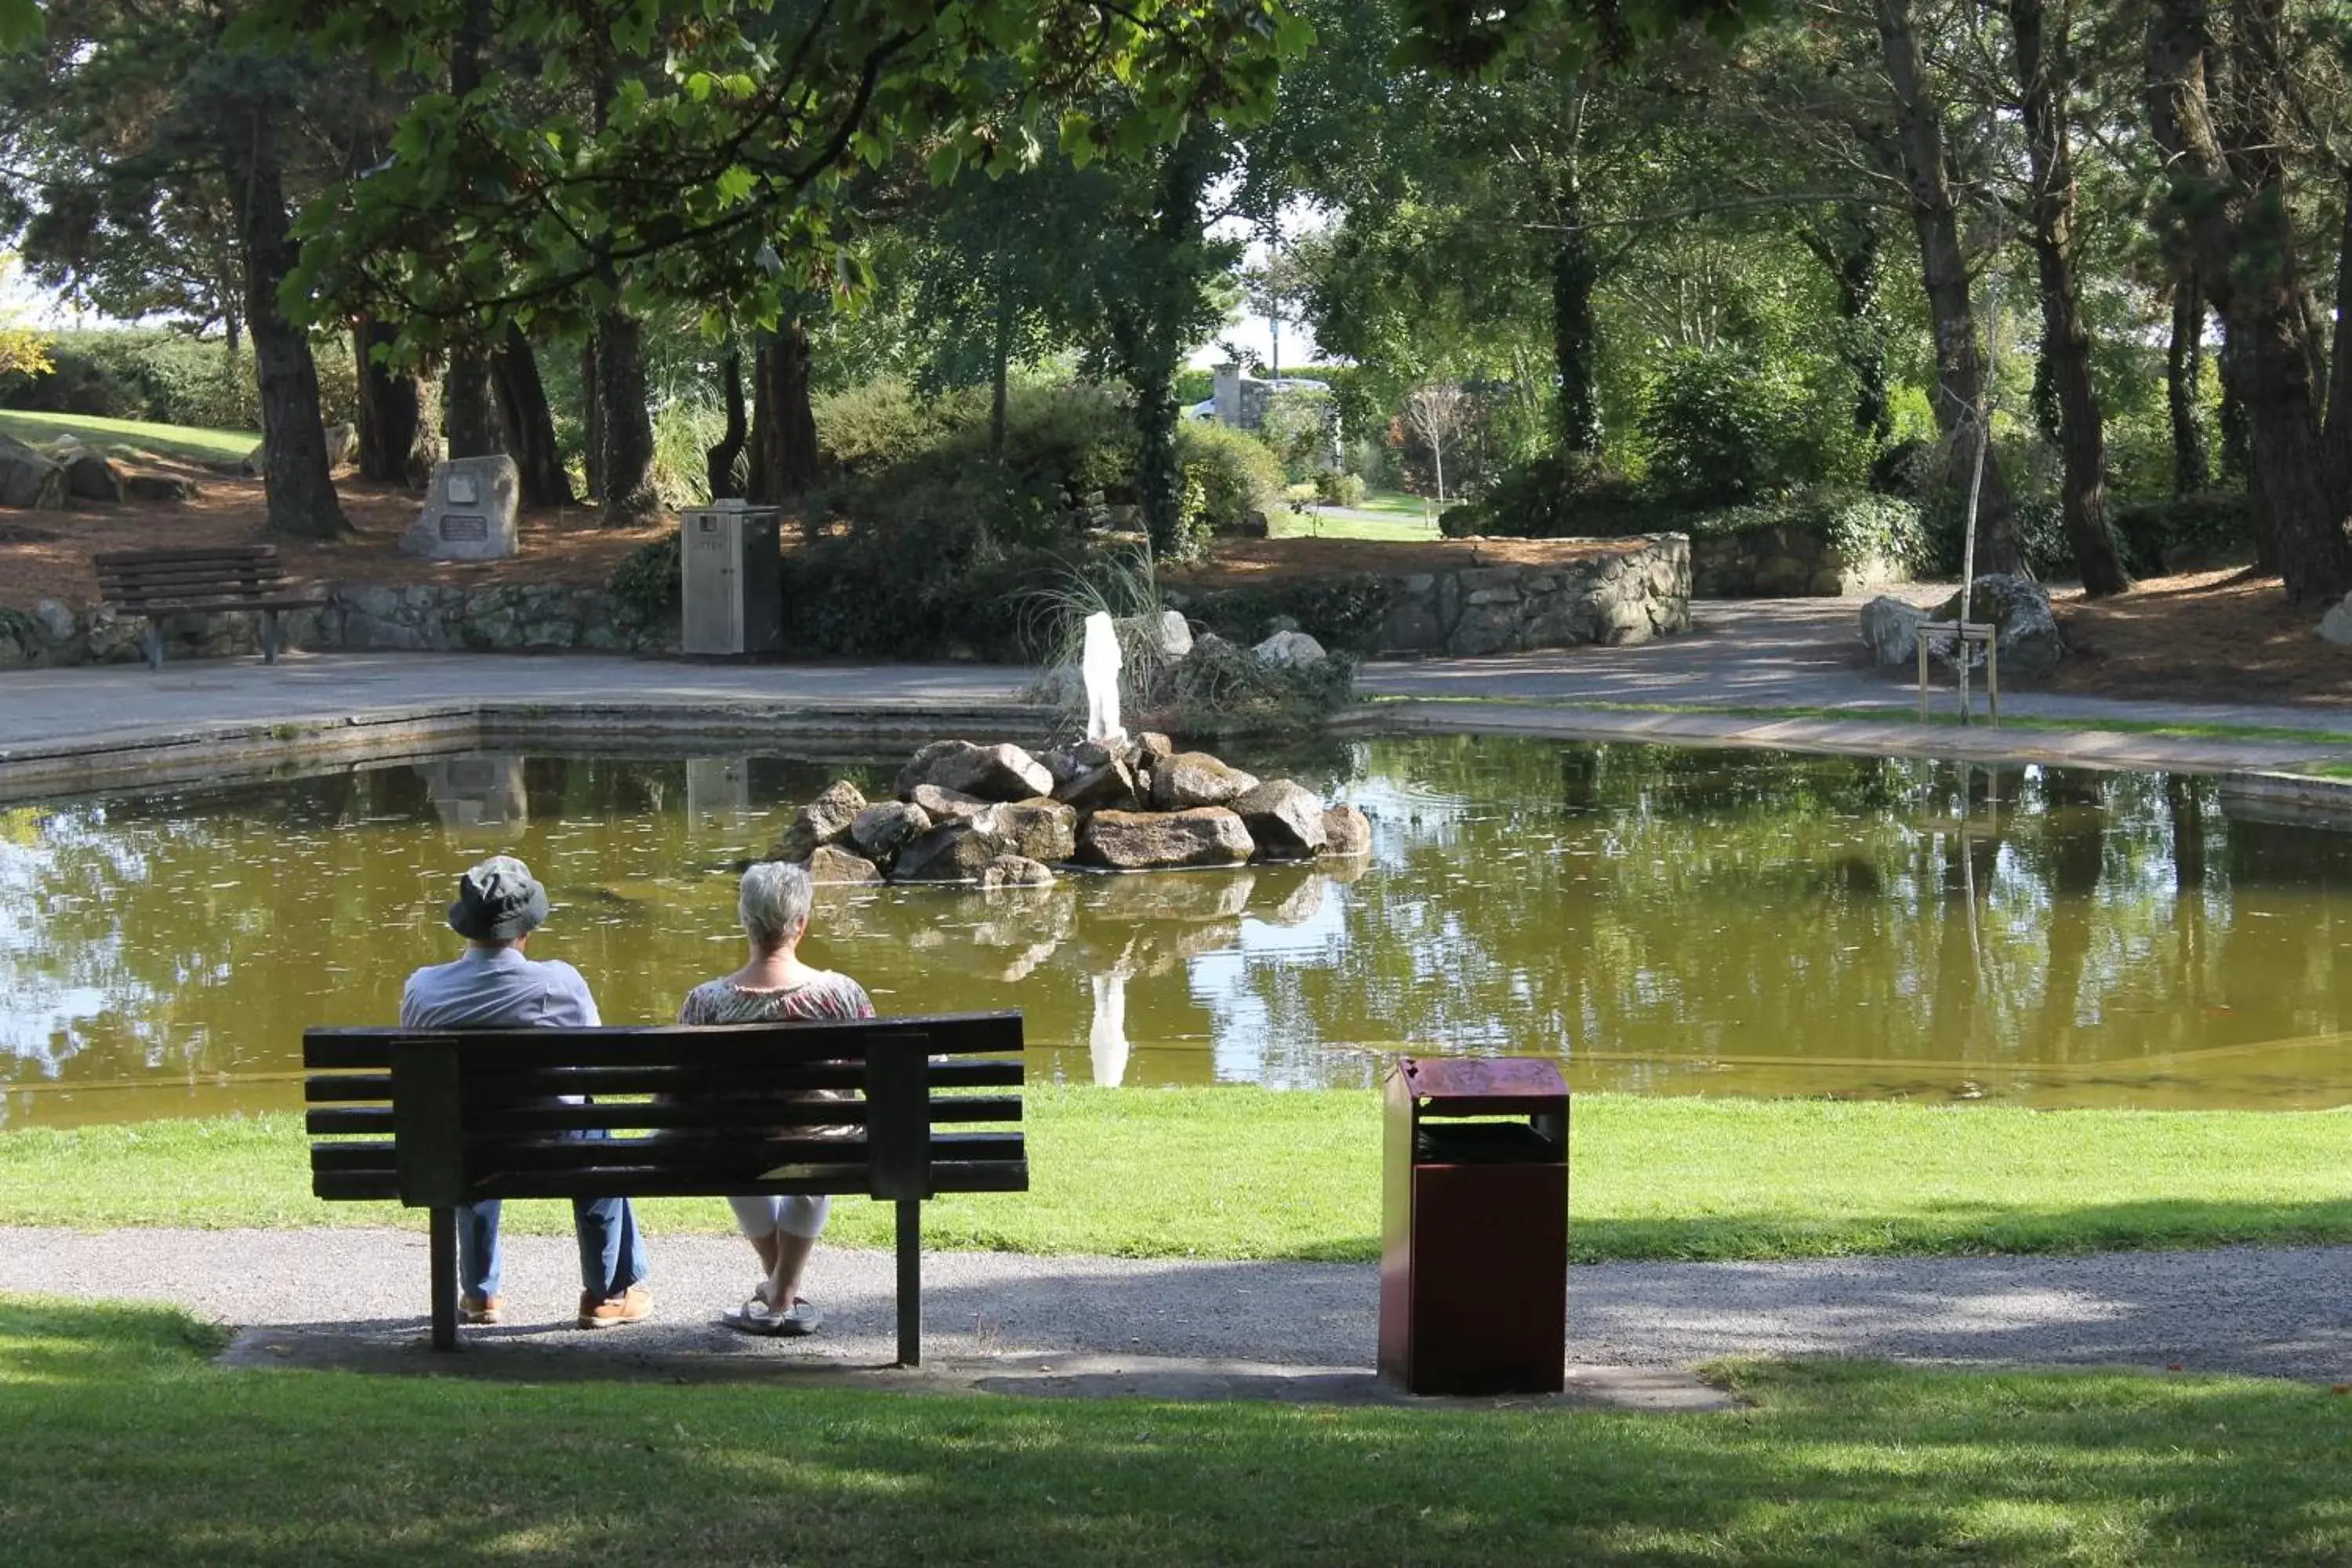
column 775, row 986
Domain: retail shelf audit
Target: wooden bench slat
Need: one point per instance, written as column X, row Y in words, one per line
column 952, row 1034
column 975, row 1176
column 187, row 552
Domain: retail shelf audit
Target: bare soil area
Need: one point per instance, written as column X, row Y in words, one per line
column 46, row 554
column 2220, row 636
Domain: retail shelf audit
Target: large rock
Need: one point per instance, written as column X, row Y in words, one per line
column 1150, row 840
column 992, row 772
column 29, row 478
column 1284, row 818
column 1159, row 639
column 2336, row 625
column 1195, row 778
column 88, row 475
column 470, row 512
column 159, row 487
column 343, row 443
column 1034, row 829
column 824, row 820
column 1110, row 787
column 881, row 829
column 831, row 866
column 1890, row 630
column 943, row 805
column 1289, row 650
column 952, row 852
column 1015, row 871
column 2026, row 631
column 1346, row 832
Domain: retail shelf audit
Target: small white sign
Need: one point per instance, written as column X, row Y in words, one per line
column 463, row 491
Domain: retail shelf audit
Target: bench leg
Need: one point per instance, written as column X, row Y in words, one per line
column 445, row 1279
column 153, row 641
column 910, row 1283
column 269, row 636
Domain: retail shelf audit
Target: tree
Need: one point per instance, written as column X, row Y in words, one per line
column 24, row 350
column 1436, row 412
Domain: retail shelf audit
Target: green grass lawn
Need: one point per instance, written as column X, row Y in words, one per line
column 126, row 1445
column 1240, row 1173
column 196, row 445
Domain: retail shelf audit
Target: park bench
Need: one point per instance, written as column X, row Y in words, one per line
column 200, row 580
column 440, row 1117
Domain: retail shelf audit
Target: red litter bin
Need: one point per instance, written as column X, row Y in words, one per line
column 1474, row 1253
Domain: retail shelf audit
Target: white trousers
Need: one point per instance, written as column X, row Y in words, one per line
column 798, row 1215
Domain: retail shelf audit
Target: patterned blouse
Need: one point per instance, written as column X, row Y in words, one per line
column 829, row 997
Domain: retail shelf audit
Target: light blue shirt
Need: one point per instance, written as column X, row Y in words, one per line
column 498, row 988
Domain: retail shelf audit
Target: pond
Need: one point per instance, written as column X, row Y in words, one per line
column 1662, row 919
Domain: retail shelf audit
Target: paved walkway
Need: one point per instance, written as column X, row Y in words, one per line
column 2270, row 1311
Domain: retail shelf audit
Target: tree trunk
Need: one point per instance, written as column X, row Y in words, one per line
column 1158, row 475
column 630, row 498
column 1958, row 397
column 466, row 403
column 2065, row 342
column 783, row 422
column 1852, row 259
column 1000, row 375
column 1574, row 275
column 2184, row 379
column 388, row 421
column 302, row 500
column 528, row 424
column 718, row 461
column 2230, row 202
column 2340, row 381
column 591, row 420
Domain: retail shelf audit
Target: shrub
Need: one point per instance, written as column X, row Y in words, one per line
column 1720, row 425
column 1299, row 428
column 1857, row 523
column 2161, row 536
column 1344, row 614
column 648, row 582
column 1236, row 473
column 1555, row 496
column 1336, row 487
column 168, row 377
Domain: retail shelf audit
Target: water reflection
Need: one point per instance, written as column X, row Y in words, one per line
column 1664, row 920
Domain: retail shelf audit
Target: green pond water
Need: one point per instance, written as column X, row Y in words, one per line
column 1663, row 920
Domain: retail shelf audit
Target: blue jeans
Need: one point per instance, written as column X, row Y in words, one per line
column 612, row 1253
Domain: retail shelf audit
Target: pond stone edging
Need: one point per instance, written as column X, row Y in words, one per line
column 351, row 617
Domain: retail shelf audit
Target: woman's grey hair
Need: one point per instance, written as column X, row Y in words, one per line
column 775, row 902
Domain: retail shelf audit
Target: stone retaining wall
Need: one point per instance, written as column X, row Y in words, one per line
column 1783, row 563
column 426, row 616
column 1631, row 595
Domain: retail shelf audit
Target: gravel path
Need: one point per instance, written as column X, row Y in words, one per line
column 2274, row 1311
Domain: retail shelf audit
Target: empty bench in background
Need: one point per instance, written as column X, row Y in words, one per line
column 199, row 580
column 436, row 1117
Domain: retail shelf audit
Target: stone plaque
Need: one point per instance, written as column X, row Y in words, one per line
column 470, row 514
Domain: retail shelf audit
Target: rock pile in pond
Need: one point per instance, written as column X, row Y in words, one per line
column 1002, row 817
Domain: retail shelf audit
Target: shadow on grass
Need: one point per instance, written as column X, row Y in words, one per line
column 148, row 1451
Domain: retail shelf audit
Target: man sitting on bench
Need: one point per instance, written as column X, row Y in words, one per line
column 493, row 985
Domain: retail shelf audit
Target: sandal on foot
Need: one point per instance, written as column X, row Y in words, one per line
column 756, row 1317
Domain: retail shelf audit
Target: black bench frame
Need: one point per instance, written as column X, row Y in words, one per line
column 198, row 580
column 440, row 1117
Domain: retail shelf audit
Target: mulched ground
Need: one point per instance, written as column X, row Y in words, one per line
column 2217, row 635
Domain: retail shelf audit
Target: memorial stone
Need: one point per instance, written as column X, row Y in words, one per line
column 470, row 512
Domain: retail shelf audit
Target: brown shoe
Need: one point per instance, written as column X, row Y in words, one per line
column 634, row 1305
column 481, row 1309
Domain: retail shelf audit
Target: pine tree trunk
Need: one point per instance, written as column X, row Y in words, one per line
column 302, row 500
column 528, row 424
column 388, row 421
column 784, row 422
column 2340, row 381
column 1958, row 396
column 2230, row 199
column 718, row 461
column 2065, row 342
column 1158, row 478
column 630, row 499
column 466, row 407
column 2184, row 377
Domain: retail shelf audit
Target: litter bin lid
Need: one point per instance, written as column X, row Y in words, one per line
column 1490, row 1086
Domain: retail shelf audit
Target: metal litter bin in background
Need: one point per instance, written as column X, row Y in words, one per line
column 730, row 579
column 1474, row 1246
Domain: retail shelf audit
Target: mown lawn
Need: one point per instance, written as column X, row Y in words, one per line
column 126, row 1445
column 191, row 442
column 1243, row 1172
